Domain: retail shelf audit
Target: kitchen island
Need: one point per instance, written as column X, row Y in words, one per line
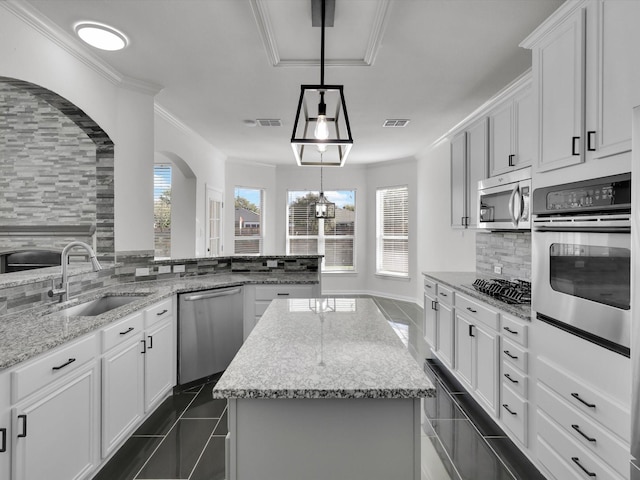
column 323, row 388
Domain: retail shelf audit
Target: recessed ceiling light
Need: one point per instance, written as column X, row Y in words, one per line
column 101, row 36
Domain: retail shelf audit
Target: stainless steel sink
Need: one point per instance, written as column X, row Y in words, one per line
column 99, row 305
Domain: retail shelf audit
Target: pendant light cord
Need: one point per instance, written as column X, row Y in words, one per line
column 322, row 47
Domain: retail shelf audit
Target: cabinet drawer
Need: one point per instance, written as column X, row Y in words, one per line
column 515, row 355
column 584, row 431
column 556, row 465
column 269, row 292
column 121, row 331
column 514, row 330
column 574, row 457
column 514, row 414
column 445, row 295
column 477, row 311
column 51, row 366
column 586, row 398
column 430, row 286
column 157, row 312
column 514, row 379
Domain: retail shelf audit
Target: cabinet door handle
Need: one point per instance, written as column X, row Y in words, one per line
column 162, row 312
column 511, row 163
column 472, row 310
column 144, row 346
column 508, row 354
column 471, row 330
column 577, row 397
column 283, row 294
column 434, row 305
column 24, row 426
column 68, row 362
column 506, row 407
column 150, row 337
column 511, row 331
column 128, row 330
column 511, row 379
column 427, row 285
column 577, row 429
column 591, row 146
column 462, row 221
column 575, row 145
column 443, row 294
column 576, row 460
column 3, row 448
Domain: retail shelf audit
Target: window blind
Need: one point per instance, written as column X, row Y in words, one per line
column 162, row 210
column 392, row 227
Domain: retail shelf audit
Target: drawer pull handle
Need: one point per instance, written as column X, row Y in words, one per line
column 427, row 285
column 4, row 440
column 576, row 460
column 511, row 379
column 577, row 397
column 472, row 310
column 508, row 354
column 443, row 294
column 283, row 294
column 24, row 426
column 68, row 362
column 506, row 407
column 434, row 305
column 577, row 429
column 511, row 331
column 162, row 312
column 130, row 329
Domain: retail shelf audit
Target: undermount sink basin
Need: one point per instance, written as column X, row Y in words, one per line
column 99, row 305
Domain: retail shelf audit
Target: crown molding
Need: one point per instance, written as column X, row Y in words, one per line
column 44, row 26
column 265, row 29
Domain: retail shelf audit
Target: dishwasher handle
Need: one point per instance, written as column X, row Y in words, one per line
column 211, row 294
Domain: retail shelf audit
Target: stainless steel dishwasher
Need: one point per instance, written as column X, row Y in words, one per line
column 209, row 332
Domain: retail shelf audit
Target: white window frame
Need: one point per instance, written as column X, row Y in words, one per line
column 381, row 237
column 260, row 237
column 321, row 237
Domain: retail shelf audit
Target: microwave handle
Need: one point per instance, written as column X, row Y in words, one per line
column 512, row 198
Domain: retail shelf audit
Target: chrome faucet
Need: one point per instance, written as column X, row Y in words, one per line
column 63, row 291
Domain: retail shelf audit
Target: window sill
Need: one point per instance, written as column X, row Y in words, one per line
column 340, row 272
column 391, row 276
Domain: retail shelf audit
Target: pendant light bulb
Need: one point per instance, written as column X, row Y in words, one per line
column 322, row 129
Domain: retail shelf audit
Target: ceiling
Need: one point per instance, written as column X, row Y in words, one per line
column 221, row 62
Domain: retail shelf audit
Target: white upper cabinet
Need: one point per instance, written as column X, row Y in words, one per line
column 585, row 78
column 459, row 180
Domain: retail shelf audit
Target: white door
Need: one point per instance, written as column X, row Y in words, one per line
column 214, row 206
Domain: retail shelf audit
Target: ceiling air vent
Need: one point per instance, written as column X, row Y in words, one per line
column 395, row 123
column 269, row 122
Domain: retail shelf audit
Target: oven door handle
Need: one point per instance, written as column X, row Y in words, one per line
column 512, row 205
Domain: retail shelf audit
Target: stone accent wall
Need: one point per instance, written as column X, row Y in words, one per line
column 512, row 250
column 56, row 169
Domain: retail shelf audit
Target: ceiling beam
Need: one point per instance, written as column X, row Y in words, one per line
column 316, row 13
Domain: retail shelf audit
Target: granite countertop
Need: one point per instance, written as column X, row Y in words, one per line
column 463, row 282
column 350, row 352
column 24, row 335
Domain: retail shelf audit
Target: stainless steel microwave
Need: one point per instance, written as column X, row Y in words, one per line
column 504, row 201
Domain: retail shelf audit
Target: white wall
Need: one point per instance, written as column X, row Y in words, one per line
column 440, row 248
column 251, row 175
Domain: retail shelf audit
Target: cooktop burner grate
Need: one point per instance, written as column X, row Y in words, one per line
column 516, row 292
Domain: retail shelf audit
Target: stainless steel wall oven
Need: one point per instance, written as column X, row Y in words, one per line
column 582, row 256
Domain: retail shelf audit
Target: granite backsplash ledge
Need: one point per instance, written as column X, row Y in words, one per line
column 509, row 250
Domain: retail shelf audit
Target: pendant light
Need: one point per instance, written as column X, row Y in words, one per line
column 323, row 137
column 323, row 207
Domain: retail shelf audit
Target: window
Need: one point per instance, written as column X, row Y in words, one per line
column 392, row 231
column 162, row 210
column 214, row 222
column 334, row 238
column 248, row 221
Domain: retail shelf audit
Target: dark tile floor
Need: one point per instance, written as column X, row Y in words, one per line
column 184, row 438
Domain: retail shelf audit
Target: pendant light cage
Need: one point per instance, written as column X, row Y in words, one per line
column 323, row 208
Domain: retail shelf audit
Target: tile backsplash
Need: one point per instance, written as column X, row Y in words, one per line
column 509, row 250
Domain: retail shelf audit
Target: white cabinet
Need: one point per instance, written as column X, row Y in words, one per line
column 159, row 362
column 586, row 71
column 122, row 381
column 511, row 131
column 445, row 325
column 56, row 430
column 469, row 152
column 5, row 426
column 430, row 325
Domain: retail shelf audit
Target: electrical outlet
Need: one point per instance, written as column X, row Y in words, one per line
column 272, row 263
column 164, row 268
column 142, row 272
column 178, row 268
column 497, row 269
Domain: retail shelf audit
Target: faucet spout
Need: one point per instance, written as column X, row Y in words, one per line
column 63, row 291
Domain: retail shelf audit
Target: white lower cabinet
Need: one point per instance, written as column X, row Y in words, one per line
column 56, row 430
column 445, row 334
column 5, row 426
column 159, row 362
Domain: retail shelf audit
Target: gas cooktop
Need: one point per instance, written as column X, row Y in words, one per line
column 517, row 292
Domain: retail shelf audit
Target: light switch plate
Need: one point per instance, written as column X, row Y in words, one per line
column 178, row 268
column 272, row 263
column 497, row 269
column 142, row 272
column 164, row 269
